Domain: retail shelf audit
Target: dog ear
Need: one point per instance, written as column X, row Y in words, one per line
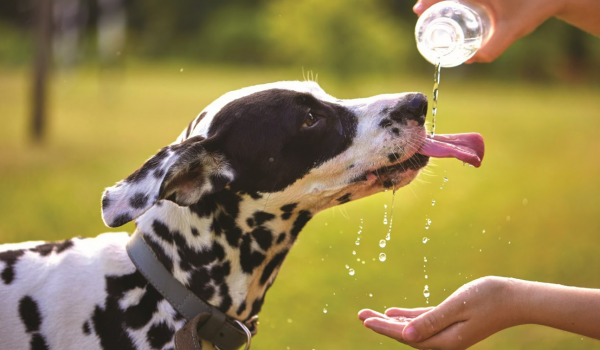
column 182, row 173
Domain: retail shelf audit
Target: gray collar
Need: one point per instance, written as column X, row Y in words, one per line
column 222, row 331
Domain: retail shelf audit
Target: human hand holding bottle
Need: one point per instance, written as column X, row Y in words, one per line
column 514, row 19
column 486, row 306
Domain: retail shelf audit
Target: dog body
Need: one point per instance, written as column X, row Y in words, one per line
column 220, row 207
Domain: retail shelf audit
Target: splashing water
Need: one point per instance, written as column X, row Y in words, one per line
column 382, row 257
column 427, row 223
column 351, row 272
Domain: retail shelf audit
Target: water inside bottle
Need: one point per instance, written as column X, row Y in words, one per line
column 434, row 104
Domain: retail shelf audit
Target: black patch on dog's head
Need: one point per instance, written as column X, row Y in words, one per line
column 264, row 137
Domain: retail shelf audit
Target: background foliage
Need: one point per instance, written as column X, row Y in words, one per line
column 536, row 195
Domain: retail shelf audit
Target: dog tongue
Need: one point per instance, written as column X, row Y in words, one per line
column 466, row 147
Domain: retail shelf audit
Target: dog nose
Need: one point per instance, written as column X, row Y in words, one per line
column 412, row 106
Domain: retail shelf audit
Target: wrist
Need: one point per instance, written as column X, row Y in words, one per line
column 517, row 307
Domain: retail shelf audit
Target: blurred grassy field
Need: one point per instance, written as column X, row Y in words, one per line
column 537, row 195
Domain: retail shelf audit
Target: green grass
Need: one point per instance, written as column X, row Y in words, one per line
column 540, row 170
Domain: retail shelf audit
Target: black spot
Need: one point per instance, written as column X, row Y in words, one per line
column 286, row 216
column 30, row 314
column 300, row 222
column 159, row 334
column 158, row 174
column 271, row 266
column 218, row 250
column 232, row 232
column 121, row 220
column 10, row 258
column 351, row 166
column 152, row 163
column 199, row 284
column 162, row 231
column 38, row 342
column 188, row 130
column 261, row 217
column 241, row 308
column 263, row 237
column 199, row 118
column 194, row 232
column 61, row 247
column 396, row 131
column 219, row 272
column 137, row 316
column 281, row 237
column 256, row 306
column 388, row 184
column 225, row 298
column 255, row 195
column 250, row 222
column 204, row 207
column 105, row 202
column 160, row 254
column 138, row 201
column 288, row 208
column 393, row 157
column 345, row 198
column 86, row 328
column 108, row 323
column 385, row 123
column 249, row 259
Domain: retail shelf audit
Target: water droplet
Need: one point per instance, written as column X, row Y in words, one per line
column 426, row 277
column 370, row 295
column 385, row 221
column 483, row 231
column 385, row 206
column 324, row 310
column 508, row 218
column 508, row 242
column 347, row 267
column 289, row 320
column 382, row 257
column 445, row 179
column 426, row 293
column 354, row 252
column 433, row 202
column 387, row 237
column 357, row 242
column 271, row 160
column 425, row 259
column 363, row 262
column 358, row 259
column 425, row 240
column 525, row 201
column 382, row 243
column 351, row 272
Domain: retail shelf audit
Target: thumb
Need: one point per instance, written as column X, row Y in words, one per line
column 423, row 5
column 430, row 323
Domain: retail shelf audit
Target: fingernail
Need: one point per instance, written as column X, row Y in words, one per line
column 410, row 334
column 418, row 7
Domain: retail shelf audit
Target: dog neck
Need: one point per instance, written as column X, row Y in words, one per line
column 227, row 248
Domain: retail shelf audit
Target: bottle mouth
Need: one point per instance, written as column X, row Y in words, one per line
column 442, row 36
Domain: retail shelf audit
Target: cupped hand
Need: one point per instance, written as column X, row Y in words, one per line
column 511, row 20
column 472, row 313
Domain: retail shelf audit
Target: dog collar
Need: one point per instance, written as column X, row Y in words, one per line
column 204, row 320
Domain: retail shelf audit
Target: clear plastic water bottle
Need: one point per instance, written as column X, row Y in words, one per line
column 450, row 32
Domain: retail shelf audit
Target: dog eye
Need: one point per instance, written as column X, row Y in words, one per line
column 309, row 121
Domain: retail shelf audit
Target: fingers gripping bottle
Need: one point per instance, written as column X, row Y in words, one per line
column 450, row 32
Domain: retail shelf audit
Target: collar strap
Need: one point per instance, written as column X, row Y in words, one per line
column 215, row 326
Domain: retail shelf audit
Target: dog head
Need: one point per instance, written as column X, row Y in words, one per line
column 288, row 140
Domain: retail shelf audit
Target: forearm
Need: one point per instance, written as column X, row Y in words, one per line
column 571, row 309
column 583, row 14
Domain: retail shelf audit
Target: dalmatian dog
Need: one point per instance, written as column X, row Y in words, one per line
column 220, row 208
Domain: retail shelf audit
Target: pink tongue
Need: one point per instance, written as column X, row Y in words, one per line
column 466, row 147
